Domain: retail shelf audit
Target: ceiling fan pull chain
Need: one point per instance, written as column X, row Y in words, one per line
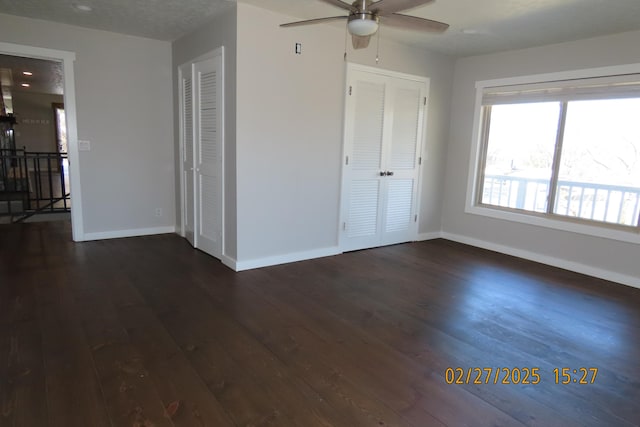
column 346, row 40
column 378, row 48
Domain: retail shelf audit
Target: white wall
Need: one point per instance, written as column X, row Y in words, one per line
column 221, row 31
column 289, row 133
column 124, row 102
column 36, row 128
column 598, row 256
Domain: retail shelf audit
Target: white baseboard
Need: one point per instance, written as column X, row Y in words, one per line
column 229, row 262
column 429, row 236
column 544, row 259
column 286, row 258
column 117, row 234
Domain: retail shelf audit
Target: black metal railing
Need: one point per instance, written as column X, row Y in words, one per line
column 33, row 183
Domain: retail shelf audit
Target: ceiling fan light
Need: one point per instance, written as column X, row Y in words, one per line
column 363, row 24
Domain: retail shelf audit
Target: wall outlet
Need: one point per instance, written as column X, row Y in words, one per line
column 158, row 212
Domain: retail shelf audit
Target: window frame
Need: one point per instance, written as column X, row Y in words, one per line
column 478, row 153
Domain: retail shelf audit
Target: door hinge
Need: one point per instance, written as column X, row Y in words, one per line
column 415, row 218
column 344, row 225
column 346, row 161
column 425, row 100
column 350, row 90
column 419, row 160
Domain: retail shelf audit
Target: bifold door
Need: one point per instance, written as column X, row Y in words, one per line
column 384, row 120
column 188, row 168
column 202, row 135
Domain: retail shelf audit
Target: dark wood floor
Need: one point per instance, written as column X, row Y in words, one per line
column 149, row 332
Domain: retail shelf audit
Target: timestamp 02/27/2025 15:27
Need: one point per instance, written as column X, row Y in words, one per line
column 491, row 375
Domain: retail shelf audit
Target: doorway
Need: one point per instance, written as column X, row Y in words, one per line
column 64, row 60
column 36, row 186
column 384, row 127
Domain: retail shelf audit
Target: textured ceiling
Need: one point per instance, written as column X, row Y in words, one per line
column 491, row 25
column 46, row 78
column 156, row 19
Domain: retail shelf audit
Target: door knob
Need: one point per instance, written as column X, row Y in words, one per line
column 383, row 173
column 389, row 173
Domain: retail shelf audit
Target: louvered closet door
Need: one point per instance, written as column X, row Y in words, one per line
column 208, row 154
column 363, row 187
column 383, row 132
column 188, row 168
column 405, row 122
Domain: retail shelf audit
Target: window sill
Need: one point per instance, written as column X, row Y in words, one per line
column 606, row 231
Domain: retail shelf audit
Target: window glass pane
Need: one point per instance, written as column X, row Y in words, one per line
column 519, row 159
column 599, row 177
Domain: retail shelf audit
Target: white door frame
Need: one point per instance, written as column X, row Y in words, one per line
column 211, row 54
column 67, row 59
column 350, row 67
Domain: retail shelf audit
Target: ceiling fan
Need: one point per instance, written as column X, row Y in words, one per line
column 365, row 17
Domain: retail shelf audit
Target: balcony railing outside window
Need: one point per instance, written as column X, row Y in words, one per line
column 588, row 201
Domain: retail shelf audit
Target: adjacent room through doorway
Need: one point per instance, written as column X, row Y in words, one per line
column 34, row 166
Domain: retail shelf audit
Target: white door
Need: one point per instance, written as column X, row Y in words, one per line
column 384, row 120
column 188, row 168
column 208, row 136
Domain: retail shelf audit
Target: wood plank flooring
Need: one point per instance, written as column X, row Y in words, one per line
column 150, row 332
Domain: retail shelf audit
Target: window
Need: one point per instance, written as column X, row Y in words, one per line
column 563, row 149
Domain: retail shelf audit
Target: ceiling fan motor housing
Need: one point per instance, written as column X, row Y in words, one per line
column 361, row 5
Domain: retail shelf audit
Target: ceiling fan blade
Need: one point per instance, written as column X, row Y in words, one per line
column 314, row 21
column 387, row 7
column 340, row 4
column 414, row 23
column 360, row 42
